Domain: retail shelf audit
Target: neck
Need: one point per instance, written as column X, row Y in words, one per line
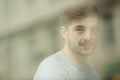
column 73, row 56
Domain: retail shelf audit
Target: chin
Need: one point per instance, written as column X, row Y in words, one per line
column 87, row 53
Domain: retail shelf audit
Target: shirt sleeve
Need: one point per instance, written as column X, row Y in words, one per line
column 51, row 71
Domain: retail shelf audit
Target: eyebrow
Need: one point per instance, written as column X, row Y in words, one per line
column 95, row 27
column 79, row 26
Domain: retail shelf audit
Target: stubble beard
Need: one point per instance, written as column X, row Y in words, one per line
column 78, row 50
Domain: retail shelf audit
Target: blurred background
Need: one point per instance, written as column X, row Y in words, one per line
column 29, row 32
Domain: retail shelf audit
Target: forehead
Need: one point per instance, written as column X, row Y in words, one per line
column 89, row 21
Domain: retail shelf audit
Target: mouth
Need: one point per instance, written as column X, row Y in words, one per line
column 86, row 46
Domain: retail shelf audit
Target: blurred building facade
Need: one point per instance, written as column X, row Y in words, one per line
column 27, row 35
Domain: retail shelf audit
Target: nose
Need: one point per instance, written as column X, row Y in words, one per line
column 87, row 35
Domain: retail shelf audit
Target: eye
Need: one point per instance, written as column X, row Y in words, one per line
column 79, row 28
column 94, row 29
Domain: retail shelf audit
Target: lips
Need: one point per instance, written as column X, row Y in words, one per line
column 87, row 46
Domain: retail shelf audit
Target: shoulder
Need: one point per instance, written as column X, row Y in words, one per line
column 55, row 59
column 51, row 68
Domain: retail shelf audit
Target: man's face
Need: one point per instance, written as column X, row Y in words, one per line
column 81, row 35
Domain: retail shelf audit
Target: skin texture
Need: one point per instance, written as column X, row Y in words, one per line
column 80, row 37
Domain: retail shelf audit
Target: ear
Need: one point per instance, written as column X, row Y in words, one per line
column 63, row 32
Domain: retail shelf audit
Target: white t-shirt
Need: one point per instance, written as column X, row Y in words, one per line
column 59, row 67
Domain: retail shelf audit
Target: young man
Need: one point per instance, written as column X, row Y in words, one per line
column 80, row 31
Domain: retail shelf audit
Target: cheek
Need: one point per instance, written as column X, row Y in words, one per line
column 95, row 38
column 74, row 38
